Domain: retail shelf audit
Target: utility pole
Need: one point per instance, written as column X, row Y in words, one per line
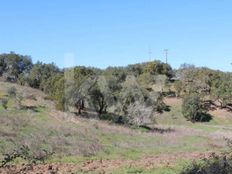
column 166, row 55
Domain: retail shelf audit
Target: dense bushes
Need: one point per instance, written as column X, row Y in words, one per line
column 193, row 110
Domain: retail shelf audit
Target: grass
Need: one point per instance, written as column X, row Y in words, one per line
column 95, row 140
column 170, row 169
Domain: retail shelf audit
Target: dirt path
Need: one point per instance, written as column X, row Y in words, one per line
column 106, row 166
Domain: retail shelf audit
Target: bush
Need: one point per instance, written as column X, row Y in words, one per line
column 215, row 164
column 12, row 91
column 4, row 102
column 25, row 154
column 192, row 109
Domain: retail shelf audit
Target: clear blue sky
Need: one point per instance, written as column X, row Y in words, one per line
column 119, row 32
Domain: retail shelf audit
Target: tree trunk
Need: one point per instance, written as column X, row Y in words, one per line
column 79, row 110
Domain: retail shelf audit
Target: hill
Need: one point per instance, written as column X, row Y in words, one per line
column 142, row 118
column 83, row 145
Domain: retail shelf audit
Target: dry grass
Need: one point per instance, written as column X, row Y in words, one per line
column 75, row 139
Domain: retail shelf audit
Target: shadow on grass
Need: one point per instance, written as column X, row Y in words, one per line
column 203, row 117
column 121, row 120
column 158, row 130
column 33, row 108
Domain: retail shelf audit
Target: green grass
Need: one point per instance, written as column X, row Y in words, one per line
column 89, row 139
column 180, row 164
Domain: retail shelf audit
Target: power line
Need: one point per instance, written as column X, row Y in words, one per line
column 166, row 55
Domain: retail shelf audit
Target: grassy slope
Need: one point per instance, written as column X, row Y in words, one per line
column 76, row 140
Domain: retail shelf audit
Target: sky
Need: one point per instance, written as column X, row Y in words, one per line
column 103, row 33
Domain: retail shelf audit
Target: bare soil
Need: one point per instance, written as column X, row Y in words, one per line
column 106, row 166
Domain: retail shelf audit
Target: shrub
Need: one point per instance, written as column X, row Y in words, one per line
column 24, row 152
column 215, row 164
column 4, row 102
column 12, row 91
column 193, row 110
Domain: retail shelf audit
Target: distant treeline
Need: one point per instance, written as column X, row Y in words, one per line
column 129, row 95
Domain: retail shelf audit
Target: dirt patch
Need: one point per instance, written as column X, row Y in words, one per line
column 106, row 166
column 148, row 162
column 220, row 113
column 173, row 101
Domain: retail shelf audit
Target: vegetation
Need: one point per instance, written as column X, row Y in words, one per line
column 12, row 92
column 193, row 110
column 216, row 164
column 119, row 90
column 4, row 102
column 158, row 104
column 114, row 91
column 25, row 153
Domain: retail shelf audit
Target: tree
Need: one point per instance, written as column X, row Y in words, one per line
column 178, row 87
column 146, row 79
column 40, row 75
column 157, row 67
column 78, row 83
column 57, row 90
column 98, row 100
column 119, row 73
column 224, row 90
column 12, row 65
column 137, row 104
column 102, row 95
column 193, row 110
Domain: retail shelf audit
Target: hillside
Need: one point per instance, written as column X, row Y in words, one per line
column 82, row 145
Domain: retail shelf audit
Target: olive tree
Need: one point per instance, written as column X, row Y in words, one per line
column 137, row 104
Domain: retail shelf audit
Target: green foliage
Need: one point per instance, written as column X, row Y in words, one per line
column 109, row 90
column 137, row 104
column 13, row 65
column 98, row 100
column 178, row 87
column 156, row 67
column 146, row 79
column 78, row 83
column 193, row 110
column 119, row 73
column 206, row 83
column 83, row 88
column 223, row 90
column 25, row 153
column 40, row 75
column 215, row 164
